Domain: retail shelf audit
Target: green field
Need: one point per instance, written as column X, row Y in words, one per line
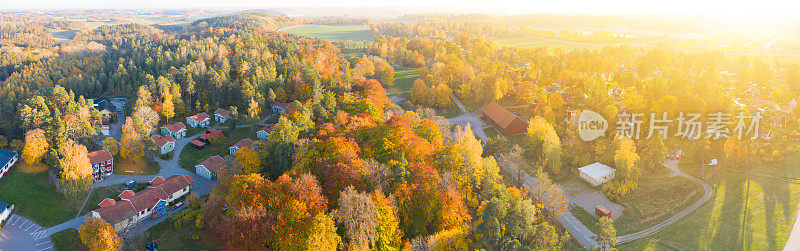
column 747, row 212
column 334, row 32
column 35, row 198
column 655, row 199
column 403, row 81
column 68, row 239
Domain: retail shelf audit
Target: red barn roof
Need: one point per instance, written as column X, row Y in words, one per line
column 100, row 156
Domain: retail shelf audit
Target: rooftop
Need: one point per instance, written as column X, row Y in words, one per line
column 596, row 170
column 100, row 156
column 6, row 156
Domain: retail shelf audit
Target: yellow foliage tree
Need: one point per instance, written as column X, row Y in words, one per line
column 76, row 171
column 248, row 160
column 35, row 146
column 97, row 234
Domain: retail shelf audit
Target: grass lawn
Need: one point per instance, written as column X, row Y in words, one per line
column 190, row 156
column 655, row 199
column 334, row 32
column 450, row 112
column 747, row 213
column 191, row 131
column 519, row 139
column 182, row 238
column 68, row 239
column 128, row 167
column 403, row 80
column 29, row 189
column 490, row 132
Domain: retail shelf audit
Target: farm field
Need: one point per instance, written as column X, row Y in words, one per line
column 334, row 32
column 403, row 81
column 747, row 212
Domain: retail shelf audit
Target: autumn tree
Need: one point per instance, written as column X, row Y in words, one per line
column 359, row 216
column 98, row 235
column 322, row 234
column 607, row 237
column 545, row 146
column 248, row 160
column 131, row 146
column 388, row 234
column 384, row 73
column 76, row 171
column 112, row 145
column 653, row 153
column 35, row 146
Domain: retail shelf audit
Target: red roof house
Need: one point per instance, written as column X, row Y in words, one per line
column 102, row 164
column 107, row 202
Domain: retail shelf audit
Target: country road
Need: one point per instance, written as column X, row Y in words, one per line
column 708, row 191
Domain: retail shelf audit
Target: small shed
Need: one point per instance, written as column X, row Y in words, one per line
column 602, row 211
column 198, row 144
column 596, row 174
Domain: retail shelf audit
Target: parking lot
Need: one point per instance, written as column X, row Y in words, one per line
column 22, row 234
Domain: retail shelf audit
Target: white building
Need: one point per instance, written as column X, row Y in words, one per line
column 7, row 159
column 596, row 174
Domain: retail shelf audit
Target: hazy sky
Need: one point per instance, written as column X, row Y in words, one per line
column 725, row 7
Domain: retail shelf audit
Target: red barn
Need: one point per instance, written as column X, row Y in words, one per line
column 102, row 164
column 506, row 122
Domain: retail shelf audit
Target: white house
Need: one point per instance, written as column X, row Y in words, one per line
column 200, row 119
column 247, row 142
column 7, row 159
column 152, row 200
column 164, row 144
column 208, row 168
column 265, row 131
column 222, row 115
column 596, row 174
column 177, row 130
column 279, row 108
column 5, row 212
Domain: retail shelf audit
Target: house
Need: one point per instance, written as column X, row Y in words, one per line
column 200, row 119
column 242, row 143
column 264, row 132
column 102, row 164
column 199, row 145
column 596, row 174
column 105, row 107
column 177, row 130
column 5, row 212
column 279, row 108
column 208, row 168
column 7, row 159
column 222, row 115
column 506, row 122
column 108, row 202
column 164, row 144
column 152, row 200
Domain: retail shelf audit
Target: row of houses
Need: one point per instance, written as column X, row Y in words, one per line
column 154, row 200
column 210, row 167
column 203, row 120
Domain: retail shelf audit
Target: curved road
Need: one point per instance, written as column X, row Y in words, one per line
column 707, row 193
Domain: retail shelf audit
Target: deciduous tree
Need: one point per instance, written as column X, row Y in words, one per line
column 35, row 146
column 98, row 235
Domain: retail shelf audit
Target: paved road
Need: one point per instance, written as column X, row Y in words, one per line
column 707, row 193
column 468, row 118
column 22, row 234
column 580, row 232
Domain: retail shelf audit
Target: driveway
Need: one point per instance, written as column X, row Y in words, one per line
column 582, row 195
column 22, row 234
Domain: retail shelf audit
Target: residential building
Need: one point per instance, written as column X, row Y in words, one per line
column 242, row 143
column 7, row 159
column 222, row 115
column 102, row 164
column 279, row 108
column 177, row 130
column 265, row 131
column 5, row 212
column 596, row 173
column 208, row 168
column 200, row 119
column 153, row 200
column 164, row 144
